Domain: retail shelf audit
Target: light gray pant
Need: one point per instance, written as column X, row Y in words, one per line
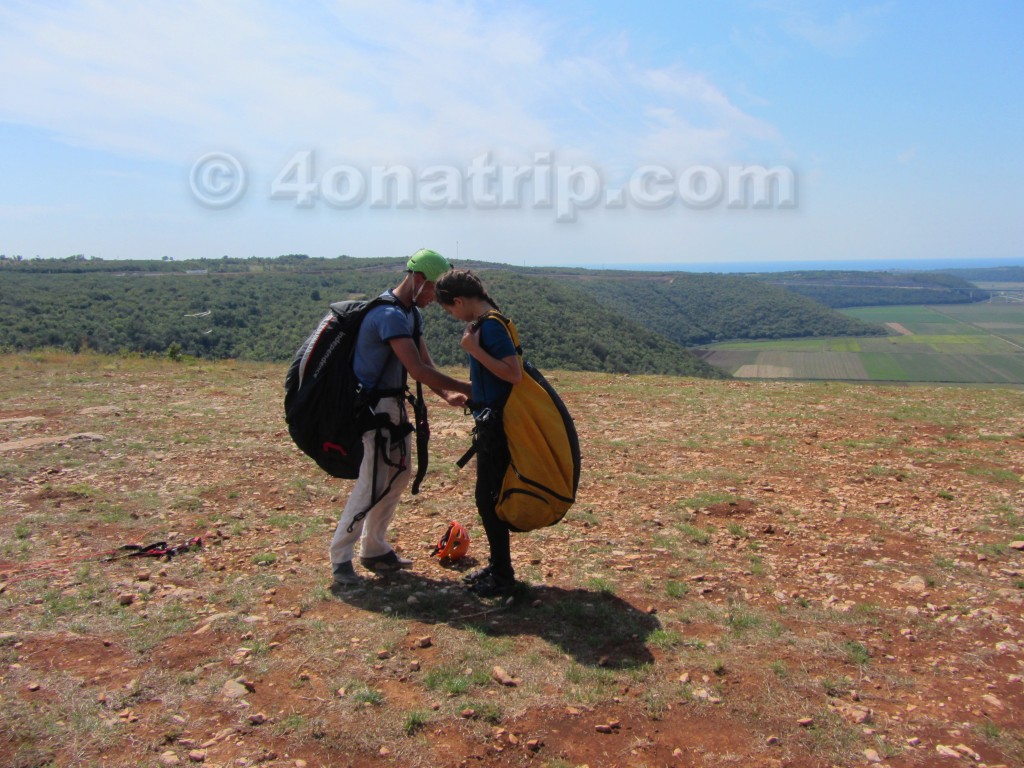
column 372, row 529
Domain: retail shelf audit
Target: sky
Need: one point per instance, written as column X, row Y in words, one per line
column 570, row 133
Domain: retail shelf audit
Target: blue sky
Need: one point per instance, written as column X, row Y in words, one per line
column 573, row 133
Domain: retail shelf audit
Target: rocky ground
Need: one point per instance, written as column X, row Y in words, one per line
column 755, row 574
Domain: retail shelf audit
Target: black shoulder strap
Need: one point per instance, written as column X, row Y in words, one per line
column 390, row 298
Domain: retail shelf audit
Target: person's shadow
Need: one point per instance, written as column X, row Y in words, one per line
column 594, row 627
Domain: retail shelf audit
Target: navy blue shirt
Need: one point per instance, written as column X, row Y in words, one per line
column 488, row 389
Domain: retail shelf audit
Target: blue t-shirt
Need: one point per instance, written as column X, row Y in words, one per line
column 374, row 363
column 488, row 389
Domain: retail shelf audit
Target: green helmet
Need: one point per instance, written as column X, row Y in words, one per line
column 430, row 263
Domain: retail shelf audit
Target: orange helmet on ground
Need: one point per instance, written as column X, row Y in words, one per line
column 453, row 544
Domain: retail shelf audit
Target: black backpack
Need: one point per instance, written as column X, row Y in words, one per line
column 326, row 408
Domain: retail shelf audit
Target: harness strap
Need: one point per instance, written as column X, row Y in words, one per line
column 419, row 410
column 461, row 463
column 386, row 434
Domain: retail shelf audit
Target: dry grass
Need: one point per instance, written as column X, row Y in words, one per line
column 741, row 556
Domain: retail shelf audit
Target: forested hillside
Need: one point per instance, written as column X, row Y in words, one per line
column 261, row 309
column 704, row 308
column 989, row 274
column 840, row 289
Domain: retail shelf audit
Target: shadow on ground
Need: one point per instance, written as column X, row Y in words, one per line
column 594, row 627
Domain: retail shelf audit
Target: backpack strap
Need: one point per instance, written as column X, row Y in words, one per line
column 510, row 327
column 494, row 314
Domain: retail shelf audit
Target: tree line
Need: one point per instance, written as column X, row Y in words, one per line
column 262, row 309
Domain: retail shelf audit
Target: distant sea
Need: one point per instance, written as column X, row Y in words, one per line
column 866, row 265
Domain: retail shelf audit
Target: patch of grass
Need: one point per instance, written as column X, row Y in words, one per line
column 486, row 711
column 737, row 530
column 702, row 500
column 677, row 589
column 856, row 653
column 994, row 550
column 452, row 681
column 264, row 558
column 283, row 521
column 740, row 619
column 415, row 722
column 163, row 620
column 367, row 696
column 589, row 685
column 695, row 534
column 995, row 474
column 666, row 639
column 601, row 584
column 187, row 504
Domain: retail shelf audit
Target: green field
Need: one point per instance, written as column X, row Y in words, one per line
column 964, row 343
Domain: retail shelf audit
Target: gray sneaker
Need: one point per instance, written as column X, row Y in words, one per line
column 345, row 574
column 385, row 563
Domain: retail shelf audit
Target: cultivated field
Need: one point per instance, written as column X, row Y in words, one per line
column 969, row 344
column 756, row 574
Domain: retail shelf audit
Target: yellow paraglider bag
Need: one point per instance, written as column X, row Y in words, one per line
column 543, row 472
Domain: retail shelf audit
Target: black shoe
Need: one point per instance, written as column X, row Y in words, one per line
column 474, row 576
column 492, row 587
column 386, row 563
column 346, row 575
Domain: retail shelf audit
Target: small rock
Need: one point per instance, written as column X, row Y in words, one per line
column 257, row 718
column 805, row 722
column 197, row 755
column 872, row 756
column 1018, row 545
column 992, row 701
column 234, row 690
column 424, row 642
column 966, row 751
column 603, row 728
column 169, row 758
column 503, row 677
column 915, row 584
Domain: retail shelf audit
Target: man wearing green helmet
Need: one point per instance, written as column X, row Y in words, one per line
column 389, row 346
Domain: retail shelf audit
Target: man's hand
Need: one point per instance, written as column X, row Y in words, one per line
column 456, row 399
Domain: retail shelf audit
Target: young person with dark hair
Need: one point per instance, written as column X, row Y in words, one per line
column 493, row 370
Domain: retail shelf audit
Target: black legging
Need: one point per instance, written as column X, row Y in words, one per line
column 490, row 469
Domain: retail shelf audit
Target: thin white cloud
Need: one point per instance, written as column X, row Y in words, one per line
column 394, row 81
column 907, row 156
column 835, row 35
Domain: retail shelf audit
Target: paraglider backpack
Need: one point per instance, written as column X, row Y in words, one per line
column 540, row 482
column 328, row 410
